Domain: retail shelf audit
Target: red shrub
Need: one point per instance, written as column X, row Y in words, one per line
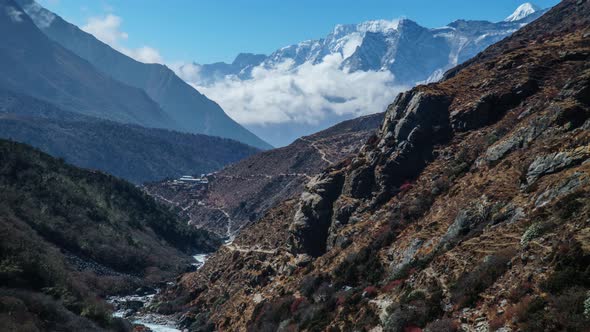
column 406, row 186
column 412, row 328
column 296, row 303
column 370, row 291
column 391, row 285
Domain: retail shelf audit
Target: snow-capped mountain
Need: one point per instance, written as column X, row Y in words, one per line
column 524, row 10
column 357, row 69
column 412, row 53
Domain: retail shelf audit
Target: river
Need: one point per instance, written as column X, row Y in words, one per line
column 131, row 307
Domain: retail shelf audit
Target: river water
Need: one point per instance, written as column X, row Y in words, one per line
column 131, row 307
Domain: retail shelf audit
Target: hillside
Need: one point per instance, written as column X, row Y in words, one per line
column 69, row 237
column 469, row 211
column 32, row 64
column 189, row 110
column 242, row 192
column 134, row 153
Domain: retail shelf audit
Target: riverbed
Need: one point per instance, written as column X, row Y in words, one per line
column 131, row 307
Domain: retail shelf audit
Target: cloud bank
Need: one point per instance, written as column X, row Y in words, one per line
column 107, row 29
column 305, row 94
column 14, row 14
column 42, row 17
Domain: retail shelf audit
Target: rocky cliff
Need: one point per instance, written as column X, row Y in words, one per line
column 469, row 210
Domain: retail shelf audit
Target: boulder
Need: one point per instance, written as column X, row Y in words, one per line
column 555, row 162
column 491, row 107
column 517, row 140
column 312, row 220
column 563, row 188
column 474, row 217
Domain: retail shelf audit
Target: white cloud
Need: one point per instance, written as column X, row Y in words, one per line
column 14, row 14
column 42, row 17
column 144, row 54
column 304, row 94
column 189, row 72
column 107, row 29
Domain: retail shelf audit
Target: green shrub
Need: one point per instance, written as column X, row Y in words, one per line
column 534, row 231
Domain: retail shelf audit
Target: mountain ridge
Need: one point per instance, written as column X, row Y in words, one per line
column 33, row 64
column 189, row 109
column 132, row 152
column 369, row 57
column 314, row 50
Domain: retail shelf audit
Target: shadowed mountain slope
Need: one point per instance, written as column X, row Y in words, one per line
column 132, row 152
column 189, row 110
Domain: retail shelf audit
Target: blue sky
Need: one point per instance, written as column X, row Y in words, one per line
column 217, row 30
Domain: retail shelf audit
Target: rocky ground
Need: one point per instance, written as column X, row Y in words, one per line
column 470, row 210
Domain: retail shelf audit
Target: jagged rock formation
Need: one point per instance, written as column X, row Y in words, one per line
column 468, row 211
column 241, row 193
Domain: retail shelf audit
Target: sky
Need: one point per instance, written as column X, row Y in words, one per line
column 207, row 31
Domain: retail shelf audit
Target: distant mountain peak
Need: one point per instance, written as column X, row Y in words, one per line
column 523, row 11
column 367, row 26
column 248, row 58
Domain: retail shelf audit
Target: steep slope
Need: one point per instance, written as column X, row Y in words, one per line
column 244, row 191
column 33, row 64
column 69, row 237
column 191, row 111
column 134, row 153
column 469, row 211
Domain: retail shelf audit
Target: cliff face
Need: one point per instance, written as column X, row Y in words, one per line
column 470, row 210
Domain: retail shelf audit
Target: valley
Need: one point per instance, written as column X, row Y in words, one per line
column 130, row 201
column 241, row 193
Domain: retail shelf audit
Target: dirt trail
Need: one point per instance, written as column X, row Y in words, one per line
column 322, row 153
column 234, row 247
column 158, row 196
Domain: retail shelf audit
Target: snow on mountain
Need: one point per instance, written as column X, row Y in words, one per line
column 412, row 53
column 523, row 11
column 350, row 72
